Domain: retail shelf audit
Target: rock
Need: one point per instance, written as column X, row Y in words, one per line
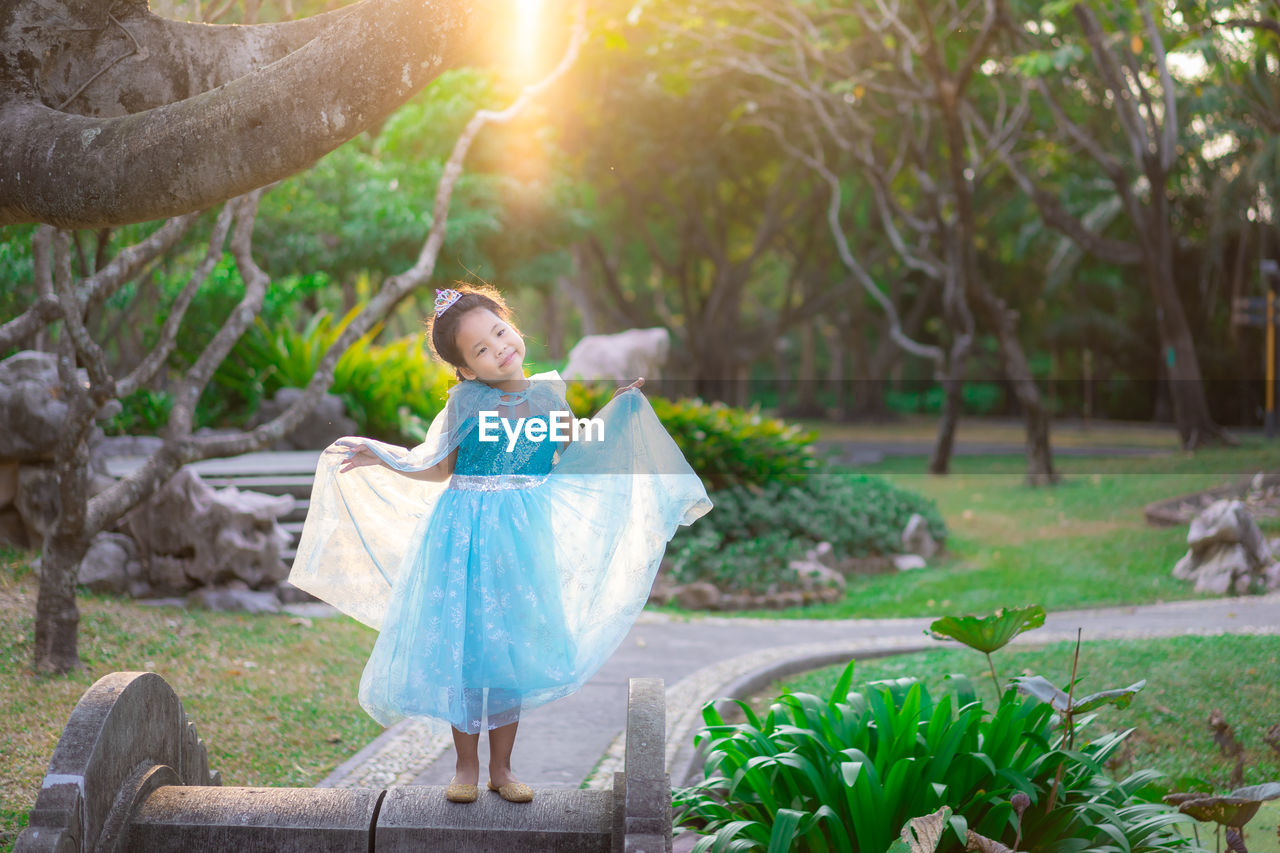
column 38, row 500
column 238, row 600
column 31, row 405
column 1227, row 552
column 908, row 562
column 327, row 422
column 699, row 595
column 128, row 445
column 105, row 567
column 190, row 534
column 813, row 574
column 916, row 538
column 287, row 593
column 623, row 356
column 1221, row 521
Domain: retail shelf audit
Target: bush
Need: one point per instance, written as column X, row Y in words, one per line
column 848, row 772
column 144, row 412
column 383, row 387
column 726, row 446
column 747, row 541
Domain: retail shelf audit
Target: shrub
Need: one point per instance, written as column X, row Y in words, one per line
column 376, row 382
column 144, row 412
column 747, row 542
column 847, row 773
column 724, row 445
column 737, row 447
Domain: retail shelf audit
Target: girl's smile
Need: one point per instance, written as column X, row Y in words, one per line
column 492, row 349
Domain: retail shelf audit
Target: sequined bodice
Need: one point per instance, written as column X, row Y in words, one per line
column 488, row 458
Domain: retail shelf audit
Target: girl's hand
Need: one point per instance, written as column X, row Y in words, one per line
column 358, row 456
column 636, row 384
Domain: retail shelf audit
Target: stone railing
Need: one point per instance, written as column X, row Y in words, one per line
column 130, row 774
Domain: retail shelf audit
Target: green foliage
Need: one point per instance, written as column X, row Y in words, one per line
column 988, row 633
column 144, row 412
column 374, row 381
column 754, row 531
column 978, row 398
column 861, row 764
column 726, row 446
column 737, row 447
column 392, row 390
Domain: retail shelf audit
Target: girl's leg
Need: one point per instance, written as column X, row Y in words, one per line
column 501, row 742
column 467, row 769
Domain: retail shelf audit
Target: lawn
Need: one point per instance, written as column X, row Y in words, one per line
column 1082, row 543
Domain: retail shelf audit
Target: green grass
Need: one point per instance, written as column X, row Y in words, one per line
column 1082, row 543
column 273, row 697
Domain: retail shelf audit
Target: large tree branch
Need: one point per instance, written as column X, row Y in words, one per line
column 179, row 59
column 77, row 171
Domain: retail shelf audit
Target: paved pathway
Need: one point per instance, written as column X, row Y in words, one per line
column 576, row 740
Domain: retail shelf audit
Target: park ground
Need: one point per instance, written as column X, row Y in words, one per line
column 274, row 696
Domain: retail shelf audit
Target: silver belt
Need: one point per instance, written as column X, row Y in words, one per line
column 494, row 482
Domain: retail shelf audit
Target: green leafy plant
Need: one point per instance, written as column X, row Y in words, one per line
column 144, row 412
column 988, row 633
column 863, row 763
column 753, row 534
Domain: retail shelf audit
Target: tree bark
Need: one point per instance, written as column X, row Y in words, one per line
column 267, row 118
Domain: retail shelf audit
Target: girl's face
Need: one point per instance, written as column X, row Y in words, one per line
column 492, row 349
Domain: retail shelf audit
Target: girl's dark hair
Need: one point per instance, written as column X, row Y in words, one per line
column 444, row 328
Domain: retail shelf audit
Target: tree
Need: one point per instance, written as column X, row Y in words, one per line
column 1130, row 79
column 62, row 299
column 890, row 90
column 697, row 214
column 110, row 114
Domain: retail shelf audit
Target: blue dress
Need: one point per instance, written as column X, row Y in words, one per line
column 514, row 580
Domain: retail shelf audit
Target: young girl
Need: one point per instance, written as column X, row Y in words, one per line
column 499, row 577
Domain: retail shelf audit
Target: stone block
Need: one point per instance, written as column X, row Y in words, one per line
column 417, row 818
column 180, row 819
column 124, row 721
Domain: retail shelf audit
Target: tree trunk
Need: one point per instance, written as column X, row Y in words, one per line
column 944, row 444
column 952, row 385
column 1040, row 470
column 1196, row 427
column 57, row 616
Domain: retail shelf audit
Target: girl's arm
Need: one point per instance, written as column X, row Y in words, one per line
column 361, row 456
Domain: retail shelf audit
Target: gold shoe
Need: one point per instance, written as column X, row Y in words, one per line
column 513, row 792
column 457, row 793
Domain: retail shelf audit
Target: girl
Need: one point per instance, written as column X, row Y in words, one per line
column 499, row 577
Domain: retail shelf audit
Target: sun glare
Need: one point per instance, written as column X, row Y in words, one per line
column 527, row 38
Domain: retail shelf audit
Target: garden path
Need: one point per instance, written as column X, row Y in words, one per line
column 576, row 739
